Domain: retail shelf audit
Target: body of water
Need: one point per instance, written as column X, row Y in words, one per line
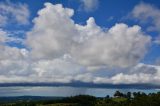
column 64, row 91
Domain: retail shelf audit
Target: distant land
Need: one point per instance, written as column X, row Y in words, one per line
column 27, row 98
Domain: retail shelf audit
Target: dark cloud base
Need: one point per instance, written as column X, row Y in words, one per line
column 88, row 85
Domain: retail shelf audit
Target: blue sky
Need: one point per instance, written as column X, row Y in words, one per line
column 93, row 41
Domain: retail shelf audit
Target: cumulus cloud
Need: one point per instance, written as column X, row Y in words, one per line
column 14, row 12
column 90, row 46
column 53, row 31
column 16, row 66
column 12, row 62
column 120, row 46
column 59, row 50
column 89, row 5
column 98, row 47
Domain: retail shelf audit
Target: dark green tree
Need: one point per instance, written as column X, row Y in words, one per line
column 128, row 95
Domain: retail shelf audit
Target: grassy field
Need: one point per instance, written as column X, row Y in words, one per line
column 121, row 99
column 60, row 104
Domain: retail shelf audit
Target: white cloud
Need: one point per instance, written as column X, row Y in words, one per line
column 62, row 51
column 120, row 46
column 139, row 74
column 57, row 70
column 89, row 5
column 11, row 52
column 53, row 31
column 9, row 37
column 12, row 59
column 14, row 13
column 13, row 62
column 144, row 12
column 16, row 66
column 131, row 79
column 3, row 35
column 147, row 13
column 135, row 75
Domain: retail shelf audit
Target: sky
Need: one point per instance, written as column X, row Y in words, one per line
column 88, row 41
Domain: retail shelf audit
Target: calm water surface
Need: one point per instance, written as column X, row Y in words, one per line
column 64, row 91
